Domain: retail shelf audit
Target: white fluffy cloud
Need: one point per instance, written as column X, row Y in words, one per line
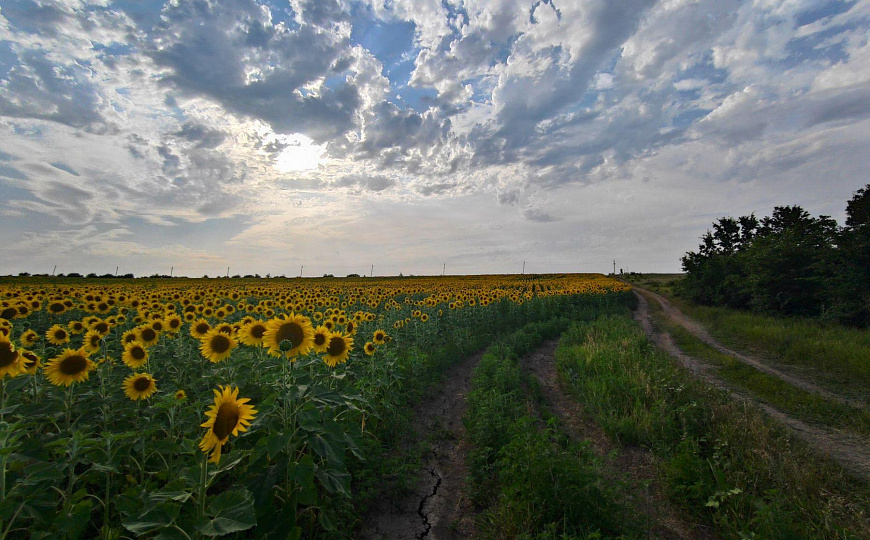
column 494, row 130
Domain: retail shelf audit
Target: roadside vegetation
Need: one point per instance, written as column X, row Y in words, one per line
column 721, row 460
column 531, row 480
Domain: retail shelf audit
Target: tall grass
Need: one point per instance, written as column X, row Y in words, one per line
column 719, row 459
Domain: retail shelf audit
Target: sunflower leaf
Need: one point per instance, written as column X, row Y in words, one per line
column 231, row 511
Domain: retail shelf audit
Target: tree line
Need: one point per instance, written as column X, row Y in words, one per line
column 788, row 263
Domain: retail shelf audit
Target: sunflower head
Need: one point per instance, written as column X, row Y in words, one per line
column 252, row 333
column 369, row 348
column 199, row 328
column 139, row 386
column 217, row 345
column 228, row 416
column 69, row 367
column 28, row 338
column 30, row 362
column 295, row 329
column 338, row 347
column 180, row 395
column 93, row 341
column 135, row 354
column 10, row 359
column 57, row 335
column 379, row 337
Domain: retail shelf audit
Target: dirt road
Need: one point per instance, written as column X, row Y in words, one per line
column 850, row 452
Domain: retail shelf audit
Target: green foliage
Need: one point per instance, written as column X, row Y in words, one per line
column 788, row 263
column 719, row 459
column 534, row 482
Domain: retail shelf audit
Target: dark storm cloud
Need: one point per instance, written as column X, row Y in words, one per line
column 231, row 52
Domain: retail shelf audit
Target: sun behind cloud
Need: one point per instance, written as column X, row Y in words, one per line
column 300, row 154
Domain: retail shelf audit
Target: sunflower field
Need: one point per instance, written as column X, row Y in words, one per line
column 202, row 408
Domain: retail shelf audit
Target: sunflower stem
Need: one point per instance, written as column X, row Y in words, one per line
column 2, row 397
column 203, row 475
column 142, row 460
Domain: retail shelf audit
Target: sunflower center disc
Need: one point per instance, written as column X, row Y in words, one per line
column 292, row 332
column 336, row 346
column 141, row 384
column 258, row 330
column 7, row 354
column 226, row 420
column 220, row 344
column 73, row 365
column 137, row 353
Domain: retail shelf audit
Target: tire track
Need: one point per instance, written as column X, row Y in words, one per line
column 850, row 452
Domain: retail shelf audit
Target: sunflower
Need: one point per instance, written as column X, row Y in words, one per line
column 424, row 317
column 69, row 367
column 228, row 416
column 293, row 328
column 57, row 335
column 146, row 335
column 135, row 354
column 369, row 348
column 380, row 337
column 10, row 359
column 128, row 337
column 28, row 338
column 139, row 386
column 101, row 327
column 321, row 333
column 180, row 395
column 338, row 347
column 350, row 327
column 252, row 333
column 93, row 341
column 226, row 328
column 172, row 324
column 30, row 361
column 217, row 346
column 199, row 328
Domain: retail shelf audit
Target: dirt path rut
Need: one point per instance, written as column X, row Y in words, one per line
column 696, row 329
column 665, row 521
column 437, row 509
column 850, row 452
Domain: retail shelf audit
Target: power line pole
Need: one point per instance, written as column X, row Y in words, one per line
column 524, row 267
column 372, row 273
column 614, row 267
column 53, row 271
column 444, row 269
column 228, row 271
column 300, row 270
column 171, row 269
column 116, row 271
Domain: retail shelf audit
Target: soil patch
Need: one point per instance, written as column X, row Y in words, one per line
column 438, row 508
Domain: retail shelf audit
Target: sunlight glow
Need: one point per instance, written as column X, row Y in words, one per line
column 300, row 154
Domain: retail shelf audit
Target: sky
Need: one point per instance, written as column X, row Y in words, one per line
column 414, row 136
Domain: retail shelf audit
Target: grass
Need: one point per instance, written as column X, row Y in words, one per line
column 833, row 355
column 721, row 460
column 804, row 405
column 533, row 481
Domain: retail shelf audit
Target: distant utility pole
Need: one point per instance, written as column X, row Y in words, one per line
column 116, row 270
column 53, row 271
column 171, row 269
column 300, row 270
column 614, row 267
column 228, row 271
column 524, row 267
column 372, row 273
column 444, row 269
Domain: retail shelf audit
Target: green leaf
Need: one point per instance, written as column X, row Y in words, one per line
column 325, row 449
column 276, row 443
column 231, row 511
column 73, row 522
column 334, row 481
column 152, row 519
